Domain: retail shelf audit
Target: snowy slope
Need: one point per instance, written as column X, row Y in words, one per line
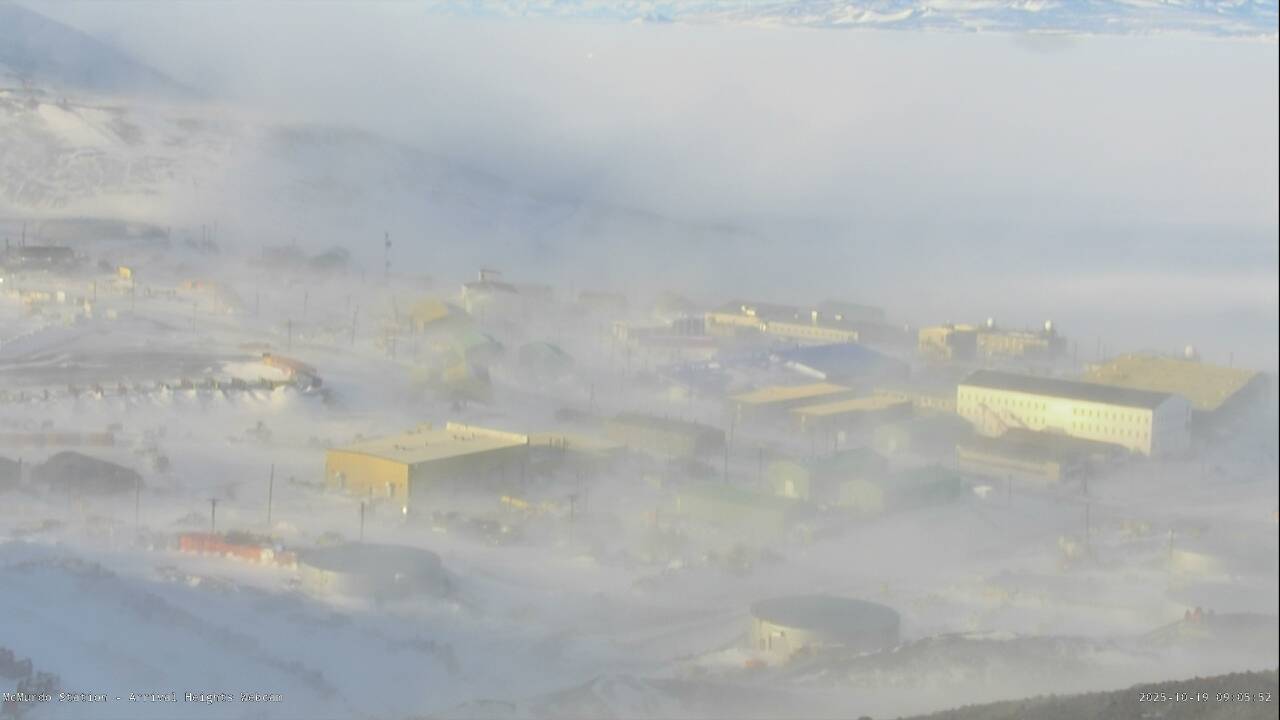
column 173, row 164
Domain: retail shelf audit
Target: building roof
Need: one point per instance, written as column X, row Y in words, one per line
column 429, row 310
column 41, row 252
column 1206, row 386
column 856, row 405
column 426, row 445
column 480, row 286
column 763, row 311
column 542, row 351
column 785, row 393
column 851, row 312
column 853, row 460
column 840, row 360
column 664, row 424
column 729, row 496
column 834, row 617
column 576, row 442
column 1022, row 444
column 1068, row 389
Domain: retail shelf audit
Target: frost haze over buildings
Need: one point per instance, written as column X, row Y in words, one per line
column 637, row 360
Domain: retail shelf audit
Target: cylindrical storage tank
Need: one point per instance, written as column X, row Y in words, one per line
column 781, row 626
column 378, row 572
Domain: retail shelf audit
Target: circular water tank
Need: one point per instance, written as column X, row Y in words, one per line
column 787, row 624
column 1189, row 352
column 991, row 323
column 372, row 570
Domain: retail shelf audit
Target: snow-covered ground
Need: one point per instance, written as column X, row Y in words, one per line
column 208, row 236
column 574, row 618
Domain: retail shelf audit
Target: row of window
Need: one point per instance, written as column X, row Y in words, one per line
column 1109, row 430
column 810, row 331
column 1119, row 416
column 1003, row 400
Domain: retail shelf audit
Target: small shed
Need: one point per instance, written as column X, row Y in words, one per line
column 667, row 437
column 729, row 507
column 830, row 480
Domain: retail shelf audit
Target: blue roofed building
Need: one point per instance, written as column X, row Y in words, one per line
column 842, row 362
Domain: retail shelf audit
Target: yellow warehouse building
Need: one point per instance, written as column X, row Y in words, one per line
column 851, row 412
column 776, row 399
column 407, row 468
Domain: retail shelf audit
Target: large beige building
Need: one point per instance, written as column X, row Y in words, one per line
column 794, row 324
column 1145, row 422
column 1216, row 393
column 967, row 342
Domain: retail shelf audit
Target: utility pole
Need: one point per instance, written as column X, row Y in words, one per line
column 354, row 313
column 306, row 300
column 1087, row 527
column 361, row 521
column 386, row 256
column 213, row 515
column 271, row 486
column 728, row 442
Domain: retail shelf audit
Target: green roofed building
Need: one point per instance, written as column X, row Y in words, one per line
column 730, row 507
column 665, row 437
column 832, row 480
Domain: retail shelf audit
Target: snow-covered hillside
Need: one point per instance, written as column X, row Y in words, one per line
column 36, row 49
column 68, row 154
column 75, row 155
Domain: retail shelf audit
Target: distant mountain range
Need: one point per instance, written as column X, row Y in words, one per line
column 35, row 49
column 1222, row 18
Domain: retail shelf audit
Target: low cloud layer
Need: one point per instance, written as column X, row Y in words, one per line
column 888, row 158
